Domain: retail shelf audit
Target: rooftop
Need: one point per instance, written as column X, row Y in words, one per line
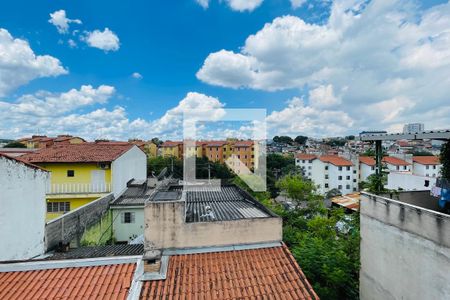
column 239, row 274
column 395, row 161
column 336, row 160
column 134, row 195
column 85, row 152
column 99, row 251
column 305, row 156
column 367, row 160
column 426, row 160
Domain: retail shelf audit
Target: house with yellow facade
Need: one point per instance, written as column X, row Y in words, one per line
column 172, row 149
column 81, row 173
column 43, row 141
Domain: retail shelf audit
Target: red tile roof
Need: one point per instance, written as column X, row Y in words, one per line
column 427, row 160
column 99, row 282
column 244, row 143
column 85, row 152
column 395, row 161
column 336, row 160
column 305, row 156
column 367, row 160
column 171, row 143
column 268, row 273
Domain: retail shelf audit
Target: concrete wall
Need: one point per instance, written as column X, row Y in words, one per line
column 365, row 171
column 72, row 225
column 424, row 170
column 131, row 164
column 165, row 227
column 22, row 210
column 405, row 251
column 409, row 182
column 123, row 232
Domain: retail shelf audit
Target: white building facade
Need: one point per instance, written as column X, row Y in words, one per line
column 366, row 167
column 428, row 166
column 22, row 209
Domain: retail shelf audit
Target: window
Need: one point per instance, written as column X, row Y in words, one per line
column 128, row 217
column 398, row 168
column 58, row 207
column 427, row 175
column 339, row 187
column 348, row 177
column 303, row 161
column 354, row 171
column 405, row 168
column 434, row 167
column 428, row 167
column 309, row 174
column 70, row 173
column 348, row 168
column 310, row 161
column 372, row 168
column 347, row 186
column 340, row 178
column 326, row 167
column 354, row 180
column 354, row 189
column 340, row 168
column 309, row 167
column 427, row 183
column 326, row 176
column 326, row 185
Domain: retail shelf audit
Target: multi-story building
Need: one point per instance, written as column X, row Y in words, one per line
column 305, row 162
column 245, row 152
column 330, row 172
column 172, row 149
column 428, row 166
column 366, row 167
column 395, row 164
column 81, row 173
column 413, row 128
column 43, row 141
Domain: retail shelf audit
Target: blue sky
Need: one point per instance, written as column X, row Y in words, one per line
column 282, row 70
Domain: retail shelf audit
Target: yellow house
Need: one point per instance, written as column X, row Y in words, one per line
column 172, row 149
column 81, row 173
column 42, row 141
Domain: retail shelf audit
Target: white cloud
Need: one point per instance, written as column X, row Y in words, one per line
column 244, row 5
column 297, row 3
column 203, row 3
column 72, row 43
column 105, row 40
column 19, row 64
column 61, row 22
column 369, row 52
column 323, row 96
column 136, row 75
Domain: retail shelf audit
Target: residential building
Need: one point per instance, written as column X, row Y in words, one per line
column 405, row 247
column 413, row 128
column 81, row 173
column 409, row 182
column 149, row 147
column 245, row 152
column 429, row 166
column 395, row 164
column 305, row 162
column 330, row 172
column 22, row 209
column 366, row 167
column 43, row 141
column 172, row 149
column 217, row 151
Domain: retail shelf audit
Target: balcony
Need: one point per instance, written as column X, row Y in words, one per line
column 78, row 188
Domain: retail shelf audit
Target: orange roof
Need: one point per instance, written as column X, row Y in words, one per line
column 427, row 160
column 367, row 160
column 85, row 152
column 171, row 143
column 305, row 156
column 395, row 161
column 260, row 273
column 243, row 143
column 99, row 282
column 336, row 160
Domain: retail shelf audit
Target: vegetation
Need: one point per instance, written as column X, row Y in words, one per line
column 277, row 166
column 283, row 139
column 445, row 160
column 100, row 233
column 15, row 144
column 325, row 242
column 335, row 142
column 301, row 140
column 422, row 153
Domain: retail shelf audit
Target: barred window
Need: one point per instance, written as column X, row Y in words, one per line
column 128, row 217
column 58, row 207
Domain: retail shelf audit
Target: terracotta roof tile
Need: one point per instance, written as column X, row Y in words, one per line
column 395, row 161
column 85, row 152
column 171, row 143
column 427, row 160
column 336, row 160
column 268, row 273
column 244, row 143
column 99, row 282
column 305, row 156
column 367, row 160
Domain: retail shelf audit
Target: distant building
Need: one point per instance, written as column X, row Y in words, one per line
column 22, row 209
column 81, row 173
column 366, row 167
column 305, row 162
column 413, row 128
column 428, row 166
column 172, row 149
column 43, row 141
column 396, row 164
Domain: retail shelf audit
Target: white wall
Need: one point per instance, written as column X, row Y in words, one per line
column 432, row 171
column 22, row 210
column 394, row 168
column 319, row 173
column 306, row 164
column 365, row 171
column 409, row 182
column 131, row 164
column 123, row 231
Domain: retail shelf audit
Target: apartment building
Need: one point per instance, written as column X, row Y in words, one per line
column 395, row 164
column 366, row 167
column 172, row 149
column 43, row 141
column 81, row 173
column 245, row 152
column 428, row 166
column 329, row 172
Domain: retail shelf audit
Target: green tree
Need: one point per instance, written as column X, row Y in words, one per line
column 283, row 139
column 445, row 160
column 301, row 140
column 15, row 144
column 300, row 191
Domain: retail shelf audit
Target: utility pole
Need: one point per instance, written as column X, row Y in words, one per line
column 171, row 164
column 209, row 173
column 378, row 167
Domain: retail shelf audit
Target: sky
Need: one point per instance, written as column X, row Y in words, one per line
column 108, row 69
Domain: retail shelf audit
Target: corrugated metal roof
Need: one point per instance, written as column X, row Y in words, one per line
column 266, row 273
column 99, row 282
column 349, row 201
column 134, row 195
column 99, row 251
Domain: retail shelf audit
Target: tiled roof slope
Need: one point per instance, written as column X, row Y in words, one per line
column 85, row 152
column 268, row 273
column 336, row 160
column 305, row 156
column 99, row 282
column 395, row 161
column 367, row 160
column 426, row 160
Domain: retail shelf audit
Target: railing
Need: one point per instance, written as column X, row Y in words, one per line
column 76, row 188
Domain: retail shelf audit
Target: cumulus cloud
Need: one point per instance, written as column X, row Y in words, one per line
column 406, row 57
column 203, row 3
column 136, row 75
column 323, row 96
column 19, row 64
column 105, row 40
column 61, row 22
column 237, row 5
column 297, row 3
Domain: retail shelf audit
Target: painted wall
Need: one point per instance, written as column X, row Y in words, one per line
column 409, row 182
column 83, row 172
column 405, row 251
column 22, row 210
column 125, row 232
column 365, row 171
column 131, row 164
column 426, row 170
column 346, row 184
